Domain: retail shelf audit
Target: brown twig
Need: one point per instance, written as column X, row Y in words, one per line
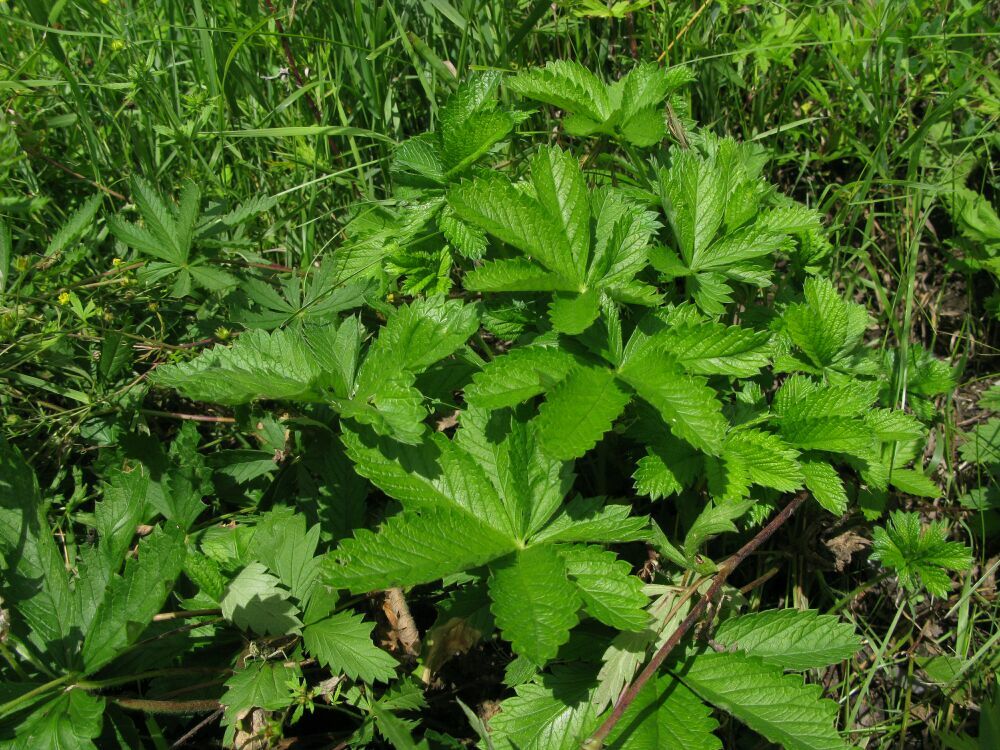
column 77, row 175
column 189, row 417
column 596, row 740
column 198, row 727
column 182, row 615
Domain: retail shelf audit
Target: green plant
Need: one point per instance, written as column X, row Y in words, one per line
column 689, row 379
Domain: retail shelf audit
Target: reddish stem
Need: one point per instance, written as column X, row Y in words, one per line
column 596, row 740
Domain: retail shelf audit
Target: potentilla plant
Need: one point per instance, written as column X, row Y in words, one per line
column 552, row 377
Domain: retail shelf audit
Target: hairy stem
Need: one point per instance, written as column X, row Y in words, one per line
column 166, row 707
column 596, row 740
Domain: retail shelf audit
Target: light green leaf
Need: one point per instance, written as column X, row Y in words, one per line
column 693, row 193
column 132, row 599
column 685, row 402
column 534, row 603
column 914, row 482
column 343, row 642
column 778, row 706
column 610, row 592
column 496, row 206
column 74, row 227
column 589, row 520
column 713, row 520
column 531, row 484
column 579, row 410
column 254, row 601
column 260, row 684
column 69, row 722
column 765, row 458
column 552, row 714
column 416, row 336
column 517, row 376
column 831, row 434
column 284, row 545
column 825, row 484
column 715, row 349
column 275, row 365
column 515, row 275
column 825, row 327
column 562, row 194
column 574, row 313
column 412, row 548
column 919, row 556
column 435, row 474
column 665, row 714
column 565, row 84
column 791, row 639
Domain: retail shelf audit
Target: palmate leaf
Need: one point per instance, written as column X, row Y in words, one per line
column 825, row 327
column 622, row 230
column 435, row 474
column 506, row 447
column 260, row 684
column 534, row 602
column 791, row 639
column 668, row 467
column 562, row 193
column 630, row 109
column 693, row 193
column 920, row 556
column 496, row 206
column 580, row 244
column 778, row 706
column 567, row 85
column 288, row 549
column 765, row 459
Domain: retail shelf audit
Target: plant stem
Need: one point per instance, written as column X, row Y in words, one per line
column 183, row 614
column 13, row 705
column 596, row 740
column 166, row 707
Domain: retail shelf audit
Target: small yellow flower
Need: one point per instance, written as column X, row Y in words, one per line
column 153, row 306
column 222, row 333
column 64, row 298
column 116, row 262
column 390, row 297
column 117, row 45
